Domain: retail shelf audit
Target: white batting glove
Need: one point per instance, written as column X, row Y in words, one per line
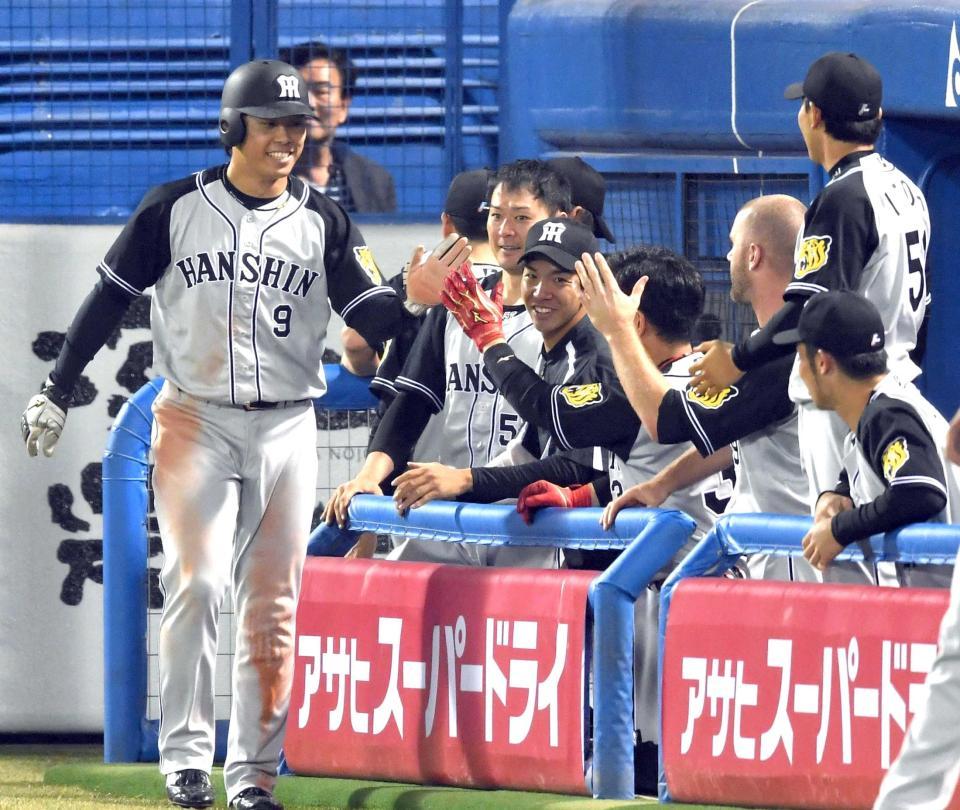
column 42, row 422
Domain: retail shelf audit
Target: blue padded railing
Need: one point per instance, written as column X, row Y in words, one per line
column 650, row 537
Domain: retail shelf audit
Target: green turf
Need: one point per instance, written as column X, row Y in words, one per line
column 143, row 780
column 76, row 778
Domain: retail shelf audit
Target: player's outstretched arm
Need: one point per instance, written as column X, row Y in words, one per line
column 614, row 313
column 425, row 482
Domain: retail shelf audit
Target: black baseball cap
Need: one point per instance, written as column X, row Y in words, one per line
column 839, row 321
column 467, row 195
column 561, row 240
column 587, row 189
column 844, row 86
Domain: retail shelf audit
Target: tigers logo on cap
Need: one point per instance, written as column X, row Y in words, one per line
column 812, row 255
column 712, row 402
column 579, row 396
column 364, row 257
column 894, row 457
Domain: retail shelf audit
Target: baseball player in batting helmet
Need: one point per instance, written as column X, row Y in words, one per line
column 246, row 264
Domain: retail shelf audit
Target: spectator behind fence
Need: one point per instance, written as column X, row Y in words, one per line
column 358, row 183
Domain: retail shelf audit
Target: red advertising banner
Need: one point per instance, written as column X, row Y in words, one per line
column 427, row 673
column 791, row 695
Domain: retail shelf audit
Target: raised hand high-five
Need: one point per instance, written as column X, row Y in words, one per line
column 609, row 308
column 424, row 272
column 479, row 315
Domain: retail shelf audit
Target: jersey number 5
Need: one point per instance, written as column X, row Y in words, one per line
column 509, row 428
column 916, row 278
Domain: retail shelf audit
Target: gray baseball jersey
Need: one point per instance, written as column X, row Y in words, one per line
column 757, row 419
column 705, row 501
column 242, row 295
column 868, row 231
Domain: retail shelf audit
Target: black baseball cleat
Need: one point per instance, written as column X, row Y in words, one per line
column 191, row 788
column 254, row 798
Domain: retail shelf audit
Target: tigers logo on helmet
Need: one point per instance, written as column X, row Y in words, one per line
column 894, row 457
column 364, row 257
column 715, row 401
column 579, row 396
column 812, row 255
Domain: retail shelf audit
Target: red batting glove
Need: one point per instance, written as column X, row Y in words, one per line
column 545, row 493
column 480, row 317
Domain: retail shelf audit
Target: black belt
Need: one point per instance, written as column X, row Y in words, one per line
column 260, row 405
column 256, row 405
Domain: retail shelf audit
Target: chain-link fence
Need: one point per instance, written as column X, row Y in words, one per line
column 101, row 99
column 693, row 213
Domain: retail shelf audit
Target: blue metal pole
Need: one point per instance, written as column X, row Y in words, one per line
column 453, row 88
column 263, row 34
column 125, row 554
column 241, row 32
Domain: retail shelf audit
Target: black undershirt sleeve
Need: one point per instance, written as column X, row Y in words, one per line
column 521, row 385
column 843, row 484
column 607, row 421
column 495, row 483
column 400, row 429
column 759, row 347
column 896, row 507
column 601, row 486
column 900, row 449
column 98, row 316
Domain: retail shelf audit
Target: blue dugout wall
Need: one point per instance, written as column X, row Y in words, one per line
column 681, row 106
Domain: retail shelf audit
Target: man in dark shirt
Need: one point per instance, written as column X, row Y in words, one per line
column 358, row 183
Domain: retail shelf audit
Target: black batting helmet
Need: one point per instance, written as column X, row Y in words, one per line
column 265, row 88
